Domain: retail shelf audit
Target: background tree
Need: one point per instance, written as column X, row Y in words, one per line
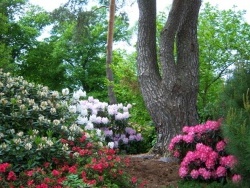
column 223, row 37
column 170, row 93
column 109, row 72
column 75, row 49
column 8, row 11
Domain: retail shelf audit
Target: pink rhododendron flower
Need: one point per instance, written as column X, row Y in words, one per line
column 194, row 174
column 204, row 173
column 220, row 146
column 183, row 171
column 176, row 139
column 188, row 138
column 228, row 161
column 185, row 129
column 171, row 146
column 213, row 125
column 213, row 155
column 199, row 129
column 210, row 163
column 221, row 171
column 236, row 178
column 176, row 154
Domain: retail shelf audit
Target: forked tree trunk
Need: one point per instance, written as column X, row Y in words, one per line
column 109, row 72
column 169, row 86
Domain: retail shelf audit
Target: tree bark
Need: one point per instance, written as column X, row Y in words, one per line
column 170, row 92
column 109, row 72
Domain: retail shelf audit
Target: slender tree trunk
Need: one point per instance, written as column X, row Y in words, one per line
column 170, row 93
column 109, row 72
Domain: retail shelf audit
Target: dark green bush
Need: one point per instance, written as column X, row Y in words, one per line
column 237, row 130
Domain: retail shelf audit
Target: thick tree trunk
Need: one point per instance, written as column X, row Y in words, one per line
column 109, row 72
column 170, row 93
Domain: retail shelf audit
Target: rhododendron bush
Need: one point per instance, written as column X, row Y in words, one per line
column 201, row 150
column 48, row 139
column 91, row 164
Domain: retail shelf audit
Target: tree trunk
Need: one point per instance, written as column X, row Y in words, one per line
column 170, row 92
column 109, row 72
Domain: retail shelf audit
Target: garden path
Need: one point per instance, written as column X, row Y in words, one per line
column 158, row 172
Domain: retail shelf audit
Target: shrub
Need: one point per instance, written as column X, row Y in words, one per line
column 87, row 164
column 32, row 120
column 112, row 120
column 48, row 138
column 201, row 150
column 237, row 129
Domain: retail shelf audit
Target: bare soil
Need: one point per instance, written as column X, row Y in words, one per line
column 157, row 172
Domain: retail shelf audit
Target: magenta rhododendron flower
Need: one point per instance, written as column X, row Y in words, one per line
column 201, row 150
column 228, row 161
column 185, row 129
column 210, row 163
column 176, row 154
column 194, row 174
column 220, row 146
column 204, row 173
column 213, row 125
column 188, row 138
column 236, row 178
column 221, row 171
column 183, row 171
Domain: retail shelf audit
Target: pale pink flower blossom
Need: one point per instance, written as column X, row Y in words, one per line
column 236, row 178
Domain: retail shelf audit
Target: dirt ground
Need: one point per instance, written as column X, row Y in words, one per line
column 154, row 171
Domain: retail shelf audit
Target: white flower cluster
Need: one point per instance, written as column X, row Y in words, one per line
column 89, row 109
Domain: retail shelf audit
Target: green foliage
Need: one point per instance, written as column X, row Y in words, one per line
column 31, row 120
column 40, row 66
column 195, row 184
column 237, row 130
column 127, row 86
column 235, row 87
column 219, row 50
column 75, row 182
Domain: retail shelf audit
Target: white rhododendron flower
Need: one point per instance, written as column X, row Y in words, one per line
column 111, row 145
column 78, row 94
column 65, row 91
column 72, row 109
column 82, row 120
column 28, row 146
column 89, row 126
